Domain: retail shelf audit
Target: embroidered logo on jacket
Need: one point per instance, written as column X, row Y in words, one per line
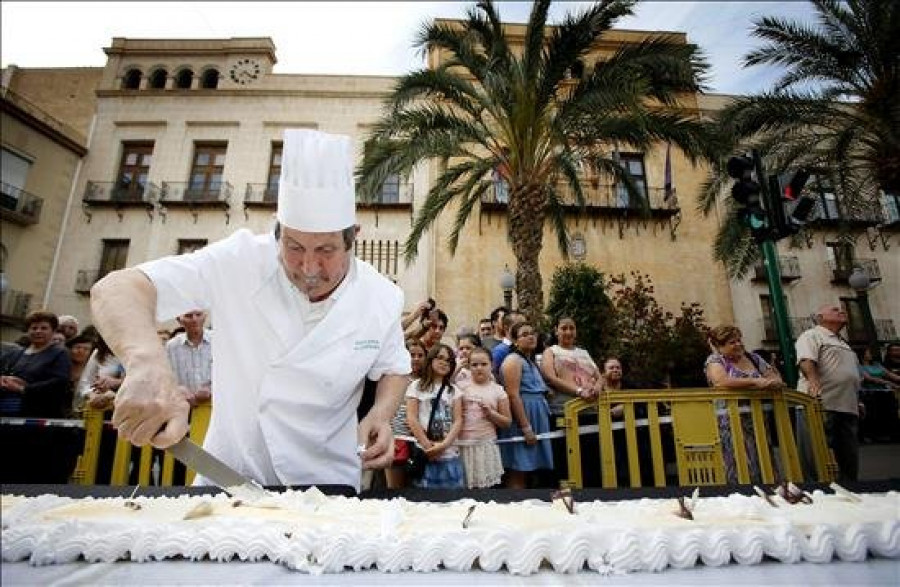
column 366, row 344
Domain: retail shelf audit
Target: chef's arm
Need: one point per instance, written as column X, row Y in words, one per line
column 148, row 406
column 375, row 429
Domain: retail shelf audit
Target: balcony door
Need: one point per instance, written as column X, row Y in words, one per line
column 134, row 169
column 770, row 333
column 633, row 164
column 856, row 321
column 206, row 172
column 271, row 193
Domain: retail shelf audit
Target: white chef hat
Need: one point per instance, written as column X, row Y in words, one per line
column 316, row 191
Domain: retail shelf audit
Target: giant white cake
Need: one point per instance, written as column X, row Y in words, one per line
column 314, row 533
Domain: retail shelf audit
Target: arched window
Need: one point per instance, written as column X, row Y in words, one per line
column 132, row 79
column 183, row 79
column 158, row 79
column 210, row 79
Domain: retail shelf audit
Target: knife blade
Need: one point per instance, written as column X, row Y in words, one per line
column 201, row 461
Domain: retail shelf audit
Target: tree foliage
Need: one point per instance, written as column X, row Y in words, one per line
column 835, row 108
column 538, row 114
column 620, row 317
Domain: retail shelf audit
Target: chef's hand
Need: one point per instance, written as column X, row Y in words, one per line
column 149, row 407
column 378, row 439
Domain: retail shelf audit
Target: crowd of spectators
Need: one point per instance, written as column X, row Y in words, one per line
column 480, row 407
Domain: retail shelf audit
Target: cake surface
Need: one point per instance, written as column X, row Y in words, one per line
column 310, row 532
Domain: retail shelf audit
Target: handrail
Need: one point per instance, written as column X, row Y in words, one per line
column 698, row 447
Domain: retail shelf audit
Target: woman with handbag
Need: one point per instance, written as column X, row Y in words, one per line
column 395, row 475
column 434, row 415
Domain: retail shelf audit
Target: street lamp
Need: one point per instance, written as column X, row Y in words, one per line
column 859, row 281
column 507, row 284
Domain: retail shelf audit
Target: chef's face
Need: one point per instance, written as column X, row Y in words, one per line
column 315, row 262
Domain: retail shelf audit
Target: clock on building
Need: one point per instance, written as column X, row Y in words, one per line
column 244, row 71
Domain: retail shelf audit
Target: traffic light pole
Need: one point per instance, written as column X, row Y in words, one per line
column 782, row 326
column 773, row 276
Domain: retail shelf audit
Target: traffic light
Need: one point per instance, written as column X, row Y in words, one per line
column 748, row 194
column 791, row 210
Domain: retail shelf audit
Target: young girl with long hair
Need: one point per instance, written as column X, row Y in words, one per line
column 395, row 475
column 444, row 469
column 485, row 408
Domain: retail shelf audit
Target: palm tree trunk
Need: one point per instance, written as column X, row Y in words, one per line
column 526, row 214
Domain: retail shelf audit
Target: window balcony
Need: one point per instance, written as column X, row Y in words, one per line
column 260, row 195
column 397, row 195
column 789, row 267
column 841, row 270
column 885, row 331
column 85, row 279
column 16, row 305
column 599, row 199
column 18, row 206
column 118, row 196
column 859, row 215
column 213, row 196
column 797, row 325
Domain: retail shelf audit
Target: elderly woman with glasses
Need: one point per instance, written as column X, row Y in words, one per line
column 530, row 412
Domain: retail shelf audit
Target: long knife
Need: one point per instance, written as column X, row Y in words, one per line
column 235, row 484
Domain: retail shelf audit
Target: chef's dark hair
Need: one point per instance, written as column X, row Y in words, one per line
column 348, row 234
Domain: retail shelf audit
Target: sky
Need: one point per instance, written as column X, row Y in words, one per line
column 355, row 38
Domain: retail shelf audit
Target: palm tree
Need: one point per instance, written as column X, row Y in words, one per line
column 537, row 116
column 836, row 108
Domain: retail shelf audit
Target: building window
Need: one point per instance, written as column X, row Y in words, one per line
column 891, row 204
column 158, row 79
column 132, row 79
column 183, row 79
column 633, row 164
column 210, row 79
column 390, row 190
column 133, row 171
column 271, row 194
column 114, row 256
column 826, row 199
column 188, row 245
column 840, row 256
column 13, row 173
column 206, row 171
column 770, row 331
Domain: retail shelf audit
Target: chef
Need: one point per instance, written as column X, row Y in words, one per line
column 299, row 321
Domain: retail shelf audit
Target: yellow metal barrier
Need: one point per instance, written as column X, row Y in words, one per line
column 86, row 468
column 697, row 445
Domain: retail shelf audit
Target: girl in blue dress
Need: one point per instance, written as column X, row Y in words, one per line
column 530, row 412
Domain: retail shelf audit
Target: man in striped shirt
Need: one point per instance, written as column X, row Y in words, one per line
column 190, row 354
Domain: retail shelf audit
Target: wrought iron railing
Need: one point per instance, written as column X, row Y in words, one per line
column 864, row 212
column 788, row 265
column 18, row 205
column 261, row 193
column 390, row 193
column 797, row 325
column 16, row 304
column 598, row 196
column 184, row 191
column 841, row 270
column 116, row 192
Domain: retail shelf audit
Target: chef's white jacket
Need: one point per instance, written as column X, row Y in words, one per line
column 284, row 406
